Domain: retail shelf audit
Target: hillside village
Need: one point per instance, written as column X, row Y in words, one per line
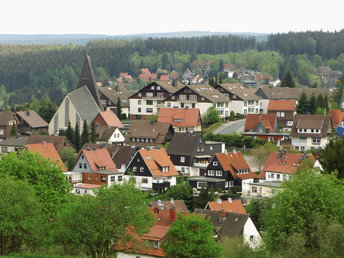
column 172, row 133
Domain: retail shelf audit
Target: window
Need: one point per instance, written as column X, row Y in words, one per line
column 201, row 184
column 112, row 178
column 251, row 102
column 82, row 156
column 139, row 102
column 278, row 176
column 140, row 94
column 149, row 94
column 142, row 169
column 103, row 178
column 164, row 169
column 161, row 95
column 80, row 165
column 316, row 141
column 149, row 102
column 119, row 178
column 89, row 177
column 193, row 97
column 139, row 110
column 85, row 165
column 245, row 103
column 231, row 183
column 182, row 159
column 156, row 244
column 144, row 180
column 210, row 172
column 182, row 97
column 272, row 175
column 251, row 238
column 218, row 173
column 289, row 123
column 158, row 87
column 149, row 110
column 134, row 169
column 2, row 131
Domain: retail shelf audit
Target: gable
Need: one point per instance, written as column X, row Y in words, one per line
column 137, row 161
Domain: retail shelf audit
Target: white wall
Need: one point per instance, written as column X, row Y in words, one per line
column 251, row 230
column 125, row 255
column 295, row 141
column 273, row 176
column 264, row 103
column 134, row 106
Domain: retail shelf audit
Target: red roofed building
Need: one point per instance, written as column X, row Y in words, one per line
column 337, row 117
column 263, row 78
column 263, row 126
column 147, row 77
column 285, row 109
column 97, row 167
column 153, row 169
column 182, row 120
column 150, row 244
column 48, row 151
column 165, row 78
column 107, row 118
column 145, row 71
column 224, row 170
column 229, row 205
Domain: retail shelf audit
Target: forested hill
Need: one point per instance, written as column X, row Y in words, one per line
column 53, row 70
column 83, row 39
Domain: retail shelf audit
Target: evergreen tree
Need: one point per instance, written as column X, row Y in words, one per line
column 215, row 81
column 93, row 136
column 85, row 136
column 302, row 106
column 320, row 101
column 326, row 107
column 119, row 109
column 211, row 81
column 288, row 80
column 221, row 65
column 220, row 79
column 164, row 61
column 14, row 130
column 312, row 108
column 70, row 133
column 76, row 137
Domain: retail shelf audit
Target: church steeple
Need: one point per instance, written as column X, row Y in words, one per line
column 87, row 78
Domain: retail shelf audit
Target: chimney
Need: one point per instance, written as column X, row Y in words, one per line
column 222, row 215
column 279, row 154
column 159, row 202
column 172, row 201
column 89, row 148
column 28, row 112
column 219, row 201
column 117, row 87
column 174, row 82
column 230, row 200
column 234, row 151
column 172, row 215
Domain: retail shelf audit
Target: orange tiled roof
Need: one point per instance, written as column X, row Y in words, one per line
column 263, row 77
column 268, row 120
column 235, row 161
column 111, row 119
column 233, row 206
column 282, row 105
column 99, row 158
column 156, row 158
column 164, row 77
column 189, row 117
column 287, row 164
column 48, row 151
column 337, row 116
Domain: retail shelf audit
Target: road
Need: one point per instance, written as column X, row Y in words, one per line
column 231, row 127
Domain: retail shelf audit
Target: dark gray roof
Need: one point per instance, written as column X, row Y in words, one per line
column 15, row 141
column 206, row 179
column 290, row 93
column 121, row 154
column 322, row 122
column 113, row 93
column 105, row 132
column 187, row 144
column 5, row 117
column 84, row 104
column 231, row 226
column 32, row 118
column 209, row 93
column 241, row 91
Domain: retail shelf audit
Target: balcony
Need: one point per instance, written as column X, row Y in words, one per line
column 161, row 186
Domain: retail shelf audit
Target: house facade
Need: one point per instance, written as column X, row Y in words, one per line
column 285, row 110
column 310, row 131
column 110, row 95
column 199, row 96
column 30, row 122
column 149, row 99
column 109, row 135
column 152, row 169
column 191, row 154
column 7, row 121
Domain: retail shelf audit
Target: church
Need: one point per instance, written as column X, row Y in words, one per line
column 79, row 105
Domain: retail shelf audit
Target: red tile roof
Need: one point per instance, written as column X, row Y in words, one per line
column 337, row 116
column 48, row 151
column 179, row 205
column 263, row 77
column 164, row 77
column 148, row 77
column 97, row 158
column 145, row 71
column 282, row 105
column 228, row 206
column 155, row 159
column 189, row 117
column 123, row 74
column 233, row 162
column 111, row 119
column 288, row 163
column 268, row 120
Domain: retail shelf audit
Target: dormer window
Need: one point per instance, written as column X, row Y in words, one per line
column 102, row 168
column 164, row 169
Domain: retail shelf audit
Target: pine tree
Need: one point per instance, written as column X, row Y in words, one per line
column 320, row 101
column 211, row 81
column 14, row 130
column 70, row 133
column 326, row 107
column 220, row 79
column 302, row 106
column 85, row 136
column 221, row 65
column 215, row 81
column 93, row 136
column 312, row 108
column 76, row 137
column 119, row 109
column 288, row 80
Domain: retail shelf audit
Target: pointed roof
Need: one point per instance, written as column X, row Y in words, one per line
column 87, row 78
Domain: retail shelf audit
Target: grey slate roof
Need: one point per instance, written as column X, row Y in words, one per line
column 84, row 104
column 232, row 226
column 113, row 93
column 241, row 91
column 121, row 154
column 32, row 118
column 209, row 93
column 15, row 141
column 290, row 93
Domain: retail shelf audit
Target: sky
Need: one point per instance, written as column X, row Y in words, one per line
column 118, row 17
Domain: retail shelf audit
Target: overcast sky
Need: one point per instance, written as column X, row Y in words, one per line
column 116, row 17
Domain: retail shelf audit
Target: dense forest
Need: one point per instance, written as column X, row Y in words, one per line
column 29, row 71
